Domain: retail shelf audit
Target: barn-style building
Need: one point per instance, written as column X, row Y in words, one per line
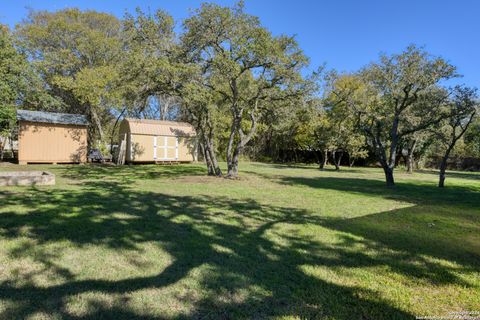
column 157, row 141
column 46, row 137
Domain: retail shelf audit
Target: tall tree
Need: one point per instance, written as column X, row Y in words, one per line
column 157, row 73
column 19, row 85
column 243, row 63
column 396, row 97
column 77, row 54
column 344, row 134
column 463, row 108
column 11, row 81
column 200, row 109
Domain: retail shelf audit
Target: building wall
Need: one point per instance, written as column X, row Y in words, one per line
column 46, row 142
column 186, row 149
column 142, row 148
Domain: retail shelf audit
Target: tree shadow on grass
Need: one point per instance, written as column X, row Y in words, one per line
column 453, row 174
column 415, row 236
column 190, row 229
column 440, row 223
column 329, row 168
column 130, row 172
column 414, row 192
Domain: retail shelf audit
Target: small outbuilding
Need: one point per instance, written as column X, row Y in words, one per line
column 157, row 141
column 46, row 137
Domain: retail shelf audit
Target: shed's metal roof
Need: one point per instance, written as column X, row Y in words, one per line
column 160, row 127
column 51, row 117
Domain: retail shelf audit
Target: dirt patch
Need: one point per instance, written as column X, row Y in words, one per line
column 216, row 180
column 200, row 179
column 7, row 164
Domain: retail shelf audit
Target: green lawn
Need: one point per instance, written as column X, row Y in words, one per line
column 165, row 242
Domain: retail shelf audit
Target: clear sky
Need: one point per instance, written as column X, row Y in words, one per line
column 344, row 34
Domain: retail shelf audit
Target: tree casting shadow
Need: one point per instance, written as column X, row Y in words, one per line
column 253, row 259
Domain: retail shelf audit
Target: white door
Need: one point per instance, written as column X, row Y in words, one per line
column 165, row 148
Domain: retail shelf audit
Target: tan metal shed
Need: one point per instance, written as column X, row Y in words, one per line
column 46, row 137
column 158, row 141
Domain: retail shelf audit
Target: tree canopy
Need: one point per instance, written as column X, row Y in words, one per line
column 394, row 98
column 248, row 92
column 77, row 54
column 244, row 65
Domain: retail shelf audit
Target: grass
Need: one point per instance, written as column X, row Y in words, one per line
column 167, row 242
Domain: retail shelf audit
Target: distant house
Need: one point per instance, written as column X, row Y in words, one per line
column 45, row 137
column 157, row 141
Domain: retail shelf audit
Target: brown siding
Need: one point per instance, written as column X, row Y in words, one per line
column 141, row 148
column 46, row 142
column 186, row 149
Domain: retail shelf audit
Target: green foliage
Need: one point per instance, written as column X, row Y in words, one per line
column 407, row 92
column 394, row 98
column 77, row 55
column 472, row 139
column 342, row 131
column 12, row 81
column 7, row 120
column 309, row 122
column 20, row 86
column 245, row 66
column 151, row 65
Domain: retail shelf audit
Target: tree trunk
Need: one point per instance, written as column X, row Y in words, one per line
column 325, row 159
column 208, row 161
column 441, row 180
column 334, row 154
column 3, row 140
column 410, row 163
column 213, row 158
column 113, row 129
column 203, row 125
column 352, row 161
column 232, row 161
column 98, row 124
column 210, row 156
column 235, row 148
column 338, row 160
column 230, row 150
column 233, row 164
column 455, row 138
column 389, row 165
column 10, row 139
column 380, row 153
column 389, row 175
column 443, row 167
column 211, row 147
column 410, row 160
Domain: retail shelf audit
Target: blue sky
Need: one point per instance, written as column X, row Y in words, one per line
column 343, row 34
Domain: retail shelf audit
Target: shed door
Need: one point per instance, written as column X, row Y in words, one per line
column 165, row 148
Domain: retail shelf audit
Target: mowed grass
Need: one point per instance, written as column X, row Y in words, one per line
column 168, row 242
